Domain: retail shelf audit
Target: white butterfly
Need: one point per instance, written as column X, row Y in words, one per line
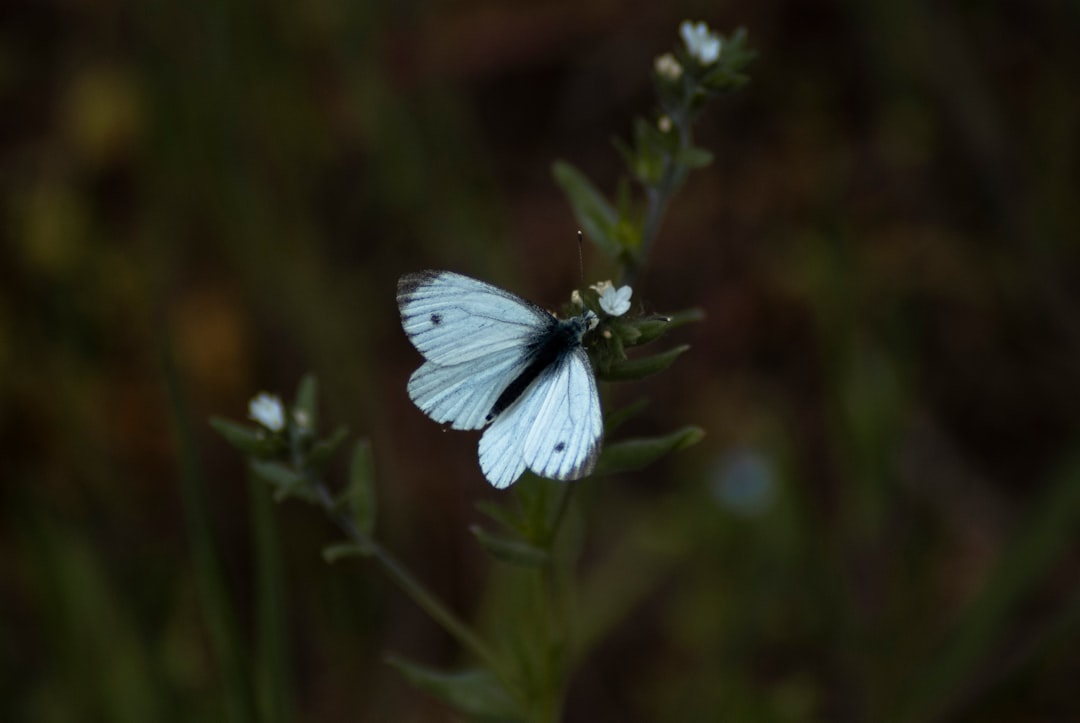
column 498, row 361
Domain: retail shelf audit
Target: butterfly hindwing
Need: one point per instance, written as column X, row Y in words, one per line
column 461, row 395
column 564, row 441
column 554, row 428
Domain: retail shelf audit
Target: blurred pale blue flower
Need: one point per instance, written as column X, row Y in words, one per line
column 744, row 482
column 701, row 42
column 615, row 302
column 266, row 409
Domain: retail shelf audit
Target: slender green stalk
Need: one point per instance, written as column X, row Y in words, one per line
column 412, row 587
column 273, row 685
column 657, row 199
column 217, row 609
column 565, row 492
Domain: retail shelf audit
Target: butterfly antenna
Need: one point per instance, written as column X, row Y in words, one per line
column 580, row 257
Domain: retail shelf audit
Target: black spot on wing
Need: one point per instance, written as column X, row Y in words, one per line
column 560, row 446
column 436, row 319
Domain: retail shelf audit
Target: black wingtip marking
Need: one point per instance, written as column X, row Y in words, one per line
column 410, row 282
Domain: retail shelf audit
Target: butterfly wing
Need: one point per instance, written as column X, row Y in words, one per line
column 452, row 319
column 461, row 395
column 475, row 337
column 553, row 429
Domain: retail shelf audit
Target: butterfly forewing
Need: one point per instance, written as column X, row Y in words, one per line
column 452, row 319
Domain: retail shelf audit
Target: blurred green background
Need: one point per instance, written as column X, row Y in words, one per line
column 883, row 522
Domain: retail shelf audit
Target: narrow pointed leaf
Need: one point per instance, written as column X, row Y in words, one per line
column 286, row 481
column 277, row 475
column 323, row 450
column 248, row 440
column 694, row 157
column 684, row 317
column 333, row 553
column 597, row 217
column 475, row 692
column 616, row 419
column 505, row 517
column 639, row 368
column 514, row 551
column 633, row 454
column 650, row 328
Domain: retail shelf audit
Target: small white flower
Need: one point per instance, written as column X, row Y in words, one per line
column 664, row 123
column 575, row 298
column 266, row 409
column 615, row 301
column 667, row 67
column 701, row 42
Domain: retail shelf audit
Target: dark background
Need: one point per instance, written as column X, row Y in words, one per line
column 881, row 523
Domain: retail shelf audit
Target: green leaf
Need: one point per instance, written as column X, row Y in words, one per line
column 650, row 328
column 514, row 551
column 361, row 490
column 633, row 454
column 616, row 419
column 723, row 79
column 277, row 474
column 343, row 550
column 736, row 55
column 650, row 149
column 694, row 157
column 504, row 516
column 632, row 369
column 474, row 692
column 249, row 440
column 628, row 236
column 682, row 318
column 624, row 150
column 647, row 329
column 286, row 481
column 597, row 217
column 323, row 450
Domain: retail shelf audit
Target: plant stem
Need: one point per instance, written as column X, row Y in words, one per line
column 657, row 198
column 565, row 490
column 411, row 586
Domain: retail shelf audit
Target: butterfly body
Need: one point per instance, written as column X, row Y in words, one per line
column 497, row 362
column 554, row 344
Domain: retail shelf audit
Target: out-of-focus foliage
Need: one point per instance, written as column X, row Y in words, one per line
column 882, row 522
